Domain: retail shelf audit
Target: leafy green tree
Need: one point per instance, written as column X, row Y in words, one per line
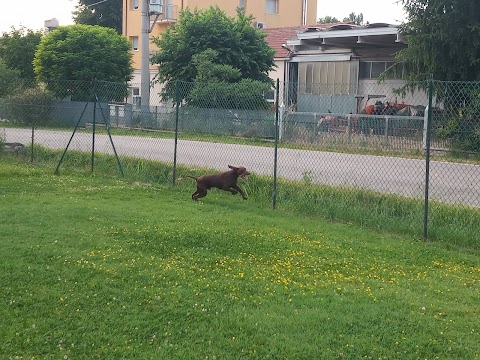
column 93, row 12
column 17, row 50
column 81, row 54
column 208, row 70
column 356, row 19
column 327, row 20
column 443, row 39
column 236, row 42
column 444, row 42
column 221, row 86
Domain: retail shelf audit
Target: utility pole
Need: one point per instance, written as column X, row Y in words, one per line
column 145, row 55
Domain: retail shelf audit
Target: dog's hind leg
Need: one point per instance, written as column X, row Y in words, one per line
column 199, row 194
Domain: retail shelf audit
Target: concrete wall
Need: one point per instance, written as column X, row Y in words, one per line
column 68, row 113
column 373, row 87
column 344, row 104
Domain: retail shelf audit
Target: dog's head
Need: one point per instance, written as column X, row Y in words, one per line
column 241, row 171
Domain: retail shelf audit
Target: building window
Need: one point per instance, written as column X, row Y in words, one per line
column 272, row 7
column 135, row 4
column 136, row 99
column 134, row 42
column 365, row 70
column 377, row 69
column 325, row 77
column 242, row 4
column 374, row 69
column 169, row 14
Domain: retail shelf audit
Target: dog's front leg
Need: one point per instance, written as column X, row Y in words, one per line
column 238, row 190
column 233, row 192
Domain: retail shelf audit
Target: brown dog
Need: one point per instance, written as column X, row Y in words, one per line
column 225, row 181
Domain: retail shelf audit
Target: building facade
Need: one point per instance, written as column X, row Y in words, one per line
column 333, row 67
column 162, row 13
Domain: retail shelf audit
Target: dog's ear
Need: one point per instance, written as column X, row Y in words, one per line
column 232, row 167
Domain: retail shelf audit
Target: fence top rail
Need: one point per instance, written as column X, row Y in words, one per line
column 322, row 114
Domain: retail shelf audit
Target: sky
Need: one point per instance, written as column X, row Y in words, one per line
column 388, row 11
column 32, row 13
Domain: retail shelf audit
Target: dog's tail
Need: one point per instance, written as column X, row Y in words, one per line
column 193, row 177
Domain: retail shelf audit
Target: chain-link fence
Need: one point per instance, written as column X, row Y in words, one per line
column 365, row 137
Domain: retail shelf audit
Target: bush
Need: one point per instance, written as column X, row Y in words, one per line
column 463, row 119
column 464, row 132
column 32, row 106
column 246, row 94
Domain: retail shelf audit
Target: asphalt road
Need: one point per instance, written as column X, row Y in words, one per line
column 449, row 182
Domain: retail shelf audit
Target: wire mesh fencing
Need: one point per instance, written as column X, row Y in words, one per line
column 370, row 117
column 370, row 136
column 455, row 130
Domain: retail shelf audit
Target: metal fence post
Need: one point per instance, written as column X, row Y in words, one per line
column 386, row 129
column 71, row 138
column 281, row 120
column 94, row 121
column 107, row 127
column 32, row 156
column 117, row 114
column 177, row 100
column 424, row 133
column 427, row 158
column 349, row 127
column 275, row 159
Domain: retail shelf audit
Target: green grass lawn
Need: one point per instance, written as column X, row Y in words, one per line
column 95, row 267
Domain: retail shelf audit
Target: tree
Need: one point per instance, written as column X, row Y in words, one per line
column 17, row 50
column 443, row 40
column 208, row 71
column 356, row 19
column 327, row 20
column 32, row 106
column 236, row 42
column 221, row 86
column 93, row 12
column 9, row 80
column 82, row 53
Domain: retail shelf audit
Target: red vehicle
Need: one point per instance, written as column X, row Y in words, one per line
column 383, row 108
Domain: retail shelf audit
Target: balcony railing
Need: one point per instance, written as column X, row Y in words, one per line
column 169, row 13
